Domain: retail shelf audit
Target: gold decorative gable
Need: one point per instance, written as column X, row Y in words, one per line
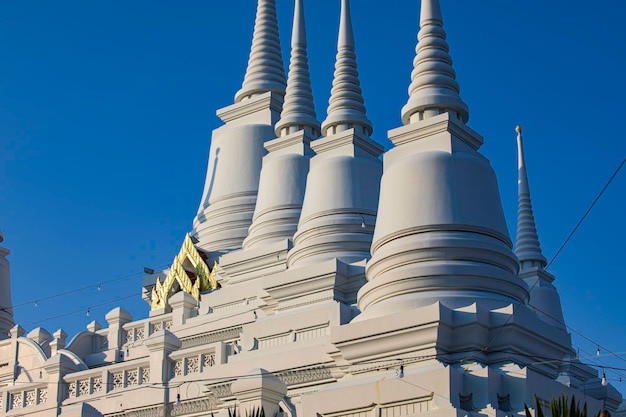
column 189, row 271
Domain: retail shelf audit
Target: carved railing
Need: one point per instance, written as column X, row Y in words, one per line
column 25, row 398
column 128, row 377
column 193, row 364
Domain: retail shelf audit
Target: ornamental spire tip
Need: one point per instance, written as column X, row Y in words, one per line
column 298, row 109
column 265, row 70
column 527, row 246
column 433, row 88
column 346, row 108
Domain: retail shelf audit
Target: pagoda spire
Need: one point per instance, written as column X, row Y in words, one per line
column 265, row 70
column 433, row 88
column 6, row 310
column 237, row 148
column 544, row 297
column 346, row 107
column 527, row 247
column 298, row 109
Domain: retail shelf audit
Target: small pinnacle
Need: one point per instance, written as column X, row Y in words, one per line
column 298, row 109
column 433, row 89
column 265, row 70
column 346, row 106
column 527, row 246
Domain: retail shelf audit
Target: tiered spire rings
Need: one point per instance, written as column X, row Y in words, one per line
column 298, row 109
column 346, row 107
column 527, row 247
column 265, row 67
column 433, row 88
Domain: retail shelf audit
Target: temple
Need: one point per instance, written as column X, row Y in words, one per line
column 323, row 276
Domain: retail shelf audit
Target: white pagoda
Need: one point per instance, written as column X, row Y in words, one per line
column 324, row 277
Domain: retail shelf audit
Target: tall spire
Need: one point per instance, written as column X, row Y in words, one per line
column 346, row 107
column 527, row 247
column 440, row 234
column 298, row 109
column 433, row 88
column 265, row 70
column 237, row 148
column 6, row 310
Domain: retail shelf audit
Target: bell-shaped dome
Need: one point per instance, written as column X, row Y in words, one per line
column 440, row 234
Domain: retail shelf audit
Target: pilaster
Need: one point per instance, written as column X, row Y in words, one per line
column 56, row 368
column 161, row 344
column 116, row 319
column 183, row 304
column 6, row 305
column 259, row 389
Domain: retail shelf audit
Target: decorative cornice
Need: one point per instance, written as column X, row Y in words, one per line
column 347, row 137
column 268, row 100
column 304, row 376
column 433, row 126
column 169, row 410
column 212, row 337
column 222, row 390
column 194, row 406
column 287, row 141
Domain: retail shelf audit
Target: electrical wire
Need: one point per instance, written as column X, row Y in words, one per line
column 525, row 299
column 69, row 313
column 486, row 349
column 582, row 219
column 617, row 355
column 469, row 358
column 384, row 364
column 488, row 345
column 87, row 287
column 204, row 323
column 387, row 363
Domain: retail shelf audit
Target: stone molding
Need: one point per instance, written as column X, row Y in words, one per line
column 211, row 337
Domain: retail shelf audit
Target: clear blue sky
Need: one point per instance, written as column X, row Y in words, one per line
column 106, row 112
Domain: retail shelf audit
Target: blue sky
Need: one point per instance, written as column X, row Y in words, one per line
column 106, row 112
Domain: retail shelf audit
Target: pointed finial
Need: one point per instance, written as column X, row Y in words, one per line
column 527, row 247
column 265, row 70
column 298, row 109
column 433, row 88
column 346, row 107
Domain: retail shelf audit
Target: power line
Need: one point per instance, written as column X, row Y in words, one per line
column 69, row 313
column 76, row 290
column 382, row 364
column 486, row 349
column 582, row 219
column 525, row 299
